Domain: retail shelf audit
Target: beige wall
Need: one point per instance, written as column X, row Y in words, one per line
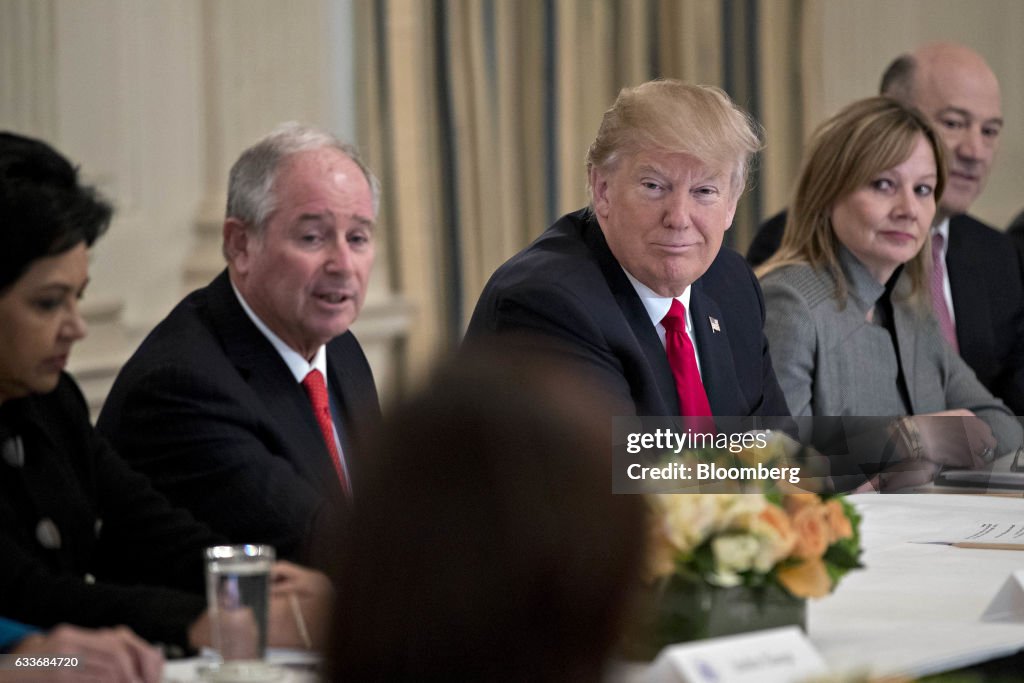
column 156, row 98
column 860, row 37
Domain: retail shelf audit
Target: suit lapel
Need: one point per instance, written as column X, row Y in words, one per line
column 650, row 344
column 718, row 371
column 636, row 319
column 345, row 392
column 286, row 406
column 907, row 330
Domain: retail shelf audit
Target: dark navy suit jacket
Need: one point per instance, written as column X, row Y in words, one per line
column 567, row 287
column 210, row 412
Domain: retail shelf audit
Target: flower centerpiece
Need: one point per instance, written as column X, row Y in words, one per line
column 734, row 562
column 802, row 542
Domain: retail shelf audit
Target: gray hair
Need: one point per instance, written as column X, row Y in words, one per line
column 898, row 79
column 251, row 181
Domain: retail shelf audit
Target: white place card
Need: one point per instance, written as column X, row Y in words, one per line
column 781, row 655
column 1008, row 604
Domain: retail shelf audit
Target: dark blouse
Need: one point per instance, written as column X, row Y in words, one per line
column 886, row 317
column 83, row 538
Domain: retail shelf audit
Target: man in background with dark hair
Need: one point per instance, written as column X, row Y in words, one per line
column 978, row 282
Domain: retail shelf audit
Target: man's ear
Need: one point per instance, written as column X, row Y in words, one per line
column 238, row 244
column 732, row 213
column 599, row 191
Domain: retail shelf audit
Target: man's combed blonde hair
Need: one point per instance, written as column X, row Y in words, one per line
column 698, row 120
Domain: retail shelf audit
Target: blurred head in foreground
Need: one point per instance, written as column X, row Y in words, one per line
column 487, row 544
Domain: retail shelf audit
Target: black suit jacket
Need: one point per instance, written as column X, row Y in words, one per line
column 1015, row 230
column 208, row 409
column 767, row 240
column 568, row 287
column 986, row 278
column 105, row 523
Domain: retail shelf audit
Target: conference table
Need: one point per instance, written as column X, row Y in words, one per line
column 293, row 667
column 916, row 608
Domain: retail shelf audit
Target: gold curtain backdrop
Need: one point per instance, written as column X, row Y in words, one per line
column 477, row 114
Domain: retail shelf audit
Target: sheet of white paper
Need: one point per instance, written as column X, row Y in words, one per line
column 918, row 608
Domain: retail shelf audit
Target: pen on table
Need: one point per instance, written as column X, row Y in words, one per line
column 300, row 621
column 989, row 546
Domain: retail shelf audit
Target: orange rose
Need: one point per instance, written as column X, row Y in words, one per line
column 809, row 579
column 774, row 517
column 838, row 523
column 776, row 536
column 792, row 502
column 812, row 533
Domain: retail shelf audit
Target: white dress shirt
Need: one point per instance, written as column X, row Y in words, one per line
column 657, row 308
column 297, row 365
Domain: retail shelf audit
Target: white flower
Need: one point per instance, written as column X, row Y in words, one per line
column 737, row 511
column 733, row 553
column 688, row 519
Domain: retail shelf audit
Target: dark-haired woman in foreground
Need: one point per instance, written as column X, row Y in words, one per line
column 487, row 544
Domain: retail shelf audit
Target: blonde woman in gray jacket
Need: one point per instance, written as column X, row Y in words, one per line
column 849, row 319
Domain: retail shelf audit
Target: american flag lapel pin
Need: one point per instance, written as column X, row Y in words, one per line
column 715, row 327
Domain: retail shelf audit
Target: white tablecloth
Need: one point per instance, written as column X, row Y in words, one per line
column 295, row 667
column 916, row 608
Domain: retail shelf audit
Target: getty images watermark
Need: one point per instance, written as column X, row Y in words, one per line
column 741, row 455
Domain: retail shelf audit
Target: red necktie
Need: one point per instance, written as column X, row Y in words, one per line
column 939, row 293
column 316, row 389
column 693, row 401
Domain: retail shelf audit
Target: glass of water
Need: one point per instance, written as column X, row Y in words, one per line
column 238, row 597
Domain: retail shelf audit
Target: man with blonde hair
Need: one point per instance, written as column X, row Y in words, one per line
column 636, row 288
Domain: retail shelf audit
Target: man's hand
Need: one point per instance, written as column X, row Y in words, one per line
column 300, row 606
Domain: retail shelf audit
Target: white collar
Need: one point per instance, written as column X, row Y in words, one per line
column 298, row 365
column 942, row 229
column 657, row 306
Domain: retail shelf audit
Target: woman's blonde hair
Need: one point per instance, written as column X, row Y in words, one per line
column 848, row 150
